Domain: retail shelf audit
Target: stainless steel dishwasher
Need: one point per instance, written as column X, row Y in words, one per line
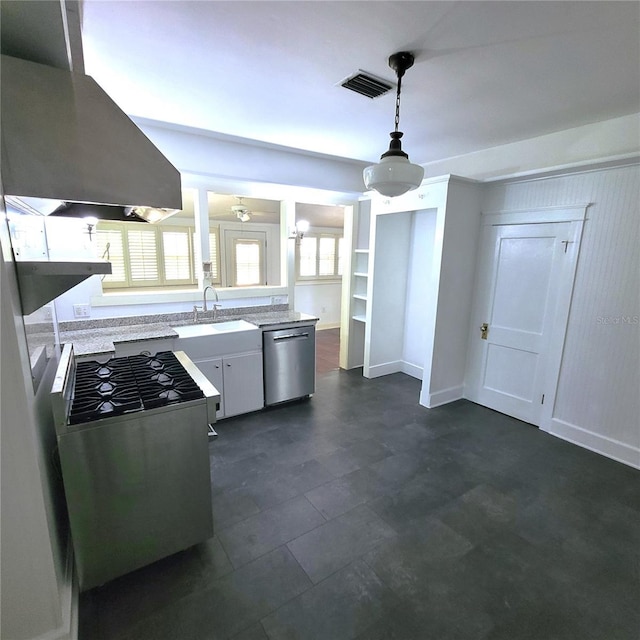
column 289, row 363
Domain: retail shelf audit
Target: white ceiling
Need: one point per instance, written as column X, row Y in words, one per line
column 486, row 73
column 261, row 211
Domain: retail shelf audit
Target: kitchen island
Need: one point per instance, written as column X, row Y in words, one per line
column 228, row 350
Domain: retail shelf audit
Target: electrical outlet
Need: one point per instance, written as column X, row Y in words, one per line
column 47, row 313
column 278, row 299
column 81, row 310
column 323, row 310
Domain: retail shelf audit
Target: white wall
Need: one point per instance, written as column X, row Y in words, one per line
column 36, row 590
column 598, row 403
column 235, row 159
column 457, row 266
column 419, row 283
column 321, row 300
column 387, row 289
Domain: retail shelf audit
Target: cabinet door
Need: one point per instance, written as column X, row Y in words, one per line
column 212, row 370
column 243, row 389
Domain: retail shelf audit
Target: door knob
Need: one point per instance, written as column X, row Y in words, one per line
column 484, row 330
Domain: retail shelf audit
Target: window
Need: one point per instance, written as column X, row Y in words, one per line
column 214, row 254
column 143, row 255
column 308, row 257
column 319, row 257
column 247, row 263
column 244, row 258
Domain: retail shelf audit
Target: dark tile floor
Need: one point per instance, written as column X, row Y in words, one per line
column 359, row 514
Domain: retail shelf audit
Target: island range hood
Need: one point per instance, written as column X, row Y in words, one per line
column 64, row 139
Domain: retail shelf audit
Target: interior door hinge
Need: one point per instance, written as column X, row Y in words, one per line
column 542, row 401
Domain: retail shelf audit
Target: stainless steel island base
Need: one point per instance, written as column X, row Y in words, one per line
column 138, row 489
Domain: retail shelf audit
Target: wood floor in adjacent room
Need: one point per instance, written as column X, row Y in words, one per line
column 327, row 350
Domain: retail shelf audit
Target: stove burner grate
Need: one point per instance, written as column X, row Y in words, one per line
column 124, row 385
column 93, row 406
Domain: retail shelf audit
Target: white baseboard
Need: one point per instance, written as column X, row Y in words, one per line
column 331, row 325
column 385, row 369
column 596, row 442
column 445, row 396
column 412, row 370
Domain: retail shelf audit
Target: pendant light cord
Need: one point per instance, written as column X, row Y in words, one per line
column 398, row 102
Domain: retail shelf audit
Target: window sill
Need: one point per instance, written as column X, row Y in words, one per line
column 192, row 295
column 319, row 281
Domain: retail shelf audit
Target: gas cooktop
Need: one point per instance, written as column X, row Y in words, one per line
column 126, row 385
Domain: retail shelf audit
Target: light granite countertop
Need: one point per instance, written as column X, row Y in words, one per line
column 99, row 341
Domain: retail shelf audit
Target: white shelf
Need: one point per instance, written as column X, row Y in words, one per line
column 359, row 274
column 365, row 251
column 357, row 296
column 359, row 318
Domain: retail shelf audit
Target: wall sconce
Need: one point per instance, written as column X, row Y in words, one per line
column 302, row 226
column 91, row 223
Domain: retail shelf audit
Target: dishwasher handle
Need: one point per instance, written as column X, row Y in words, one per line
column 290, row 336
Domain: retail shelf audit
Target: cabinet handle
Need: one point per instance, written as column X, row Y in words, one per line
column 291, row 336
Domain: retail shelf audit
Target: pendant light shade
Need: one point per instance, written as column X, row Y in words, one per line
column 394, row 174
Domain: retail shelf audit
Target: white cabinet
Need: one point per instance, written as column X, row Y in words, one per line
column 243, row 385
column 238, row 378
column 232, row 362
column 212, row 370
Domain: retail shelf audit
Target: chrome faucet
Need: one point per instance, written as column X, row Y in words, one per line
column 204, row 300
column 203, row 308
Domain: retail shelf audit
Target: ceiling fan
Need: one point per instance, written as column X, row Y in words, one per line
column 242, row 212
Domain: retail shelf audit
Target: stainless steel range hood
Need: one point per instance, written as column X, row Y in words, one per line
column 63, row 138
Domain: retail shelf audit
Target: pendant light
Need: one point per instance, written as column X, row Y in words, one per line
column 394, row 174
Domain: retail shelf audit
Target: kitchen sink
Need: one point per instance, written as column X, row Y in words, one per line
column 194, row 330
column 213, row 328
column 218, row 338
column 233, row 325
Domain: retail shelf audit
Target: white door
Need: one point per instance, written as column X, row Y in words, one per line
column 246, row 258
column 523, row 294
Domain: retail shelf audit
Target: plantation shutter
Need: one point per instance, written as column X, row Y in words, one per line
column 143, row 256
column 327, row 256
column 214, row 255
column 307, row 250
column 176, row 257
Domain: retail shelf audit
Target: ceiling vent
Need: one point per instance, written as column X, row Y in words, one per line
column 367, row 85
